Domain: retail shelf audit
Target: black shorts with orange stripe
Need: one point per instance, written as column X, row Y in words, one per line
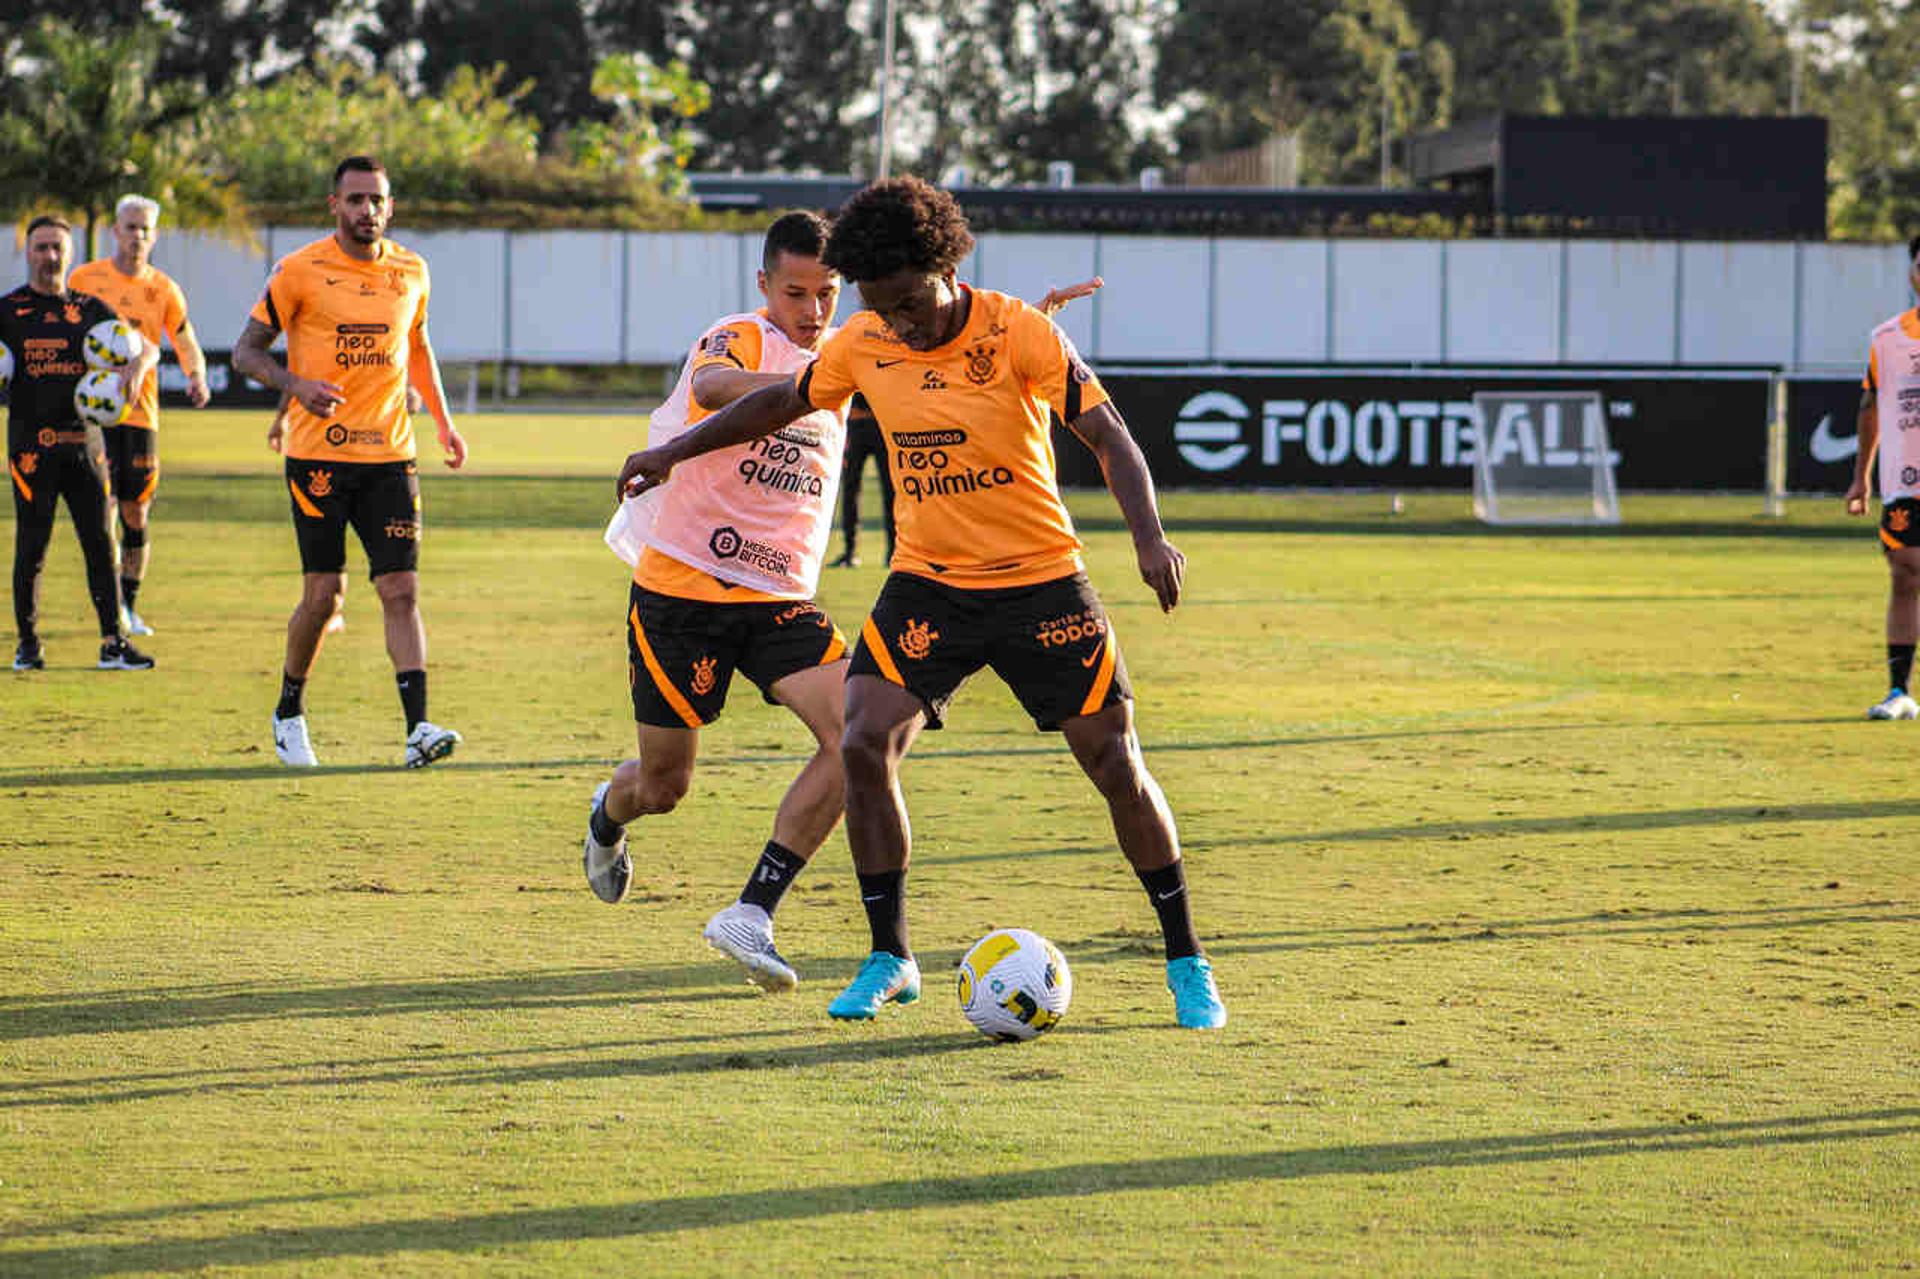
column 381, row 500
column 133, row 462
column 1900, row 524
column 1051, row 643
column 681, row 654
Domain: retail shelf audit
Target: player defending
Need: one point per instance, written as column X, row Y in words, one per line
column 43, row 324
column 987, row 569
column 354, row 309
column 1891, row 386
column 148, row 300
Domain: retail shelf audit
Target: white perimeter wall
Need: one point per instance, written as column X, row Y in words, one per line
column 641, row 297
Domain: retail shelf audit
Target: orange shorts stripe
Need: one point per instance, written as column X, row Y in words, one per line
column 300, row 500
column 681, row 706
column 881, row 657
column 1101, row 681
column 836, row 650
column 1893, row 543
column 153, row 482
column 20, row 481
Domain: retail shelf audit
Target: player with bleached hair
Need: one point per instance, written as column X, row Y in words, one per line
column 987, row 568
column 1888, row 399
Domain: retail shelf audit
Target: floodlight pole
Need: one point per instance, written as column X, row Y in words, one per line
column 886, row 90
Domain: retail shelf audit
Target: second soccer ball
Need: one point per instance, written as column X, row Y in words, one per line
column 1014, row 984
column 98, row 399
column 110, row 344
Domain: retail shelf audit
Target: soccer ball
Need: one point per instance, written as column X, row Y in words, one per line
column 97, row 398
column 1014, row 984
column 110, row 344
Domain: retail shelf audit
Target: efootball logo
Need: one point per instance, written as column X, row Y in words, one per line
column 1207, row 431
column 725, row 542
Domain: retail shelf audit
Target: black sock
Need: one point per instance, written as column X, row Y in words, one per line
column 1899, row 665
column 129, row 587
column 606, row 831
column 772, row 877
column 885, row 897
column 293, row 697
column 1167, row 890
column 413, row 695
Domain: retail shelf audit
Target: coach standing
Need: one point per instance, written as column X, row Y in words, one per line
column 49, row 455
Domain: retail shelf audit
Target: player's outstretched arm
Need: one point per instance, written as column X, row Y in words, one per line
column 748, row 418
column 715, row 387
column 252, row 356
column 1162, row 566
column 1057, row 299
column 423, row 374
column 1868, row 427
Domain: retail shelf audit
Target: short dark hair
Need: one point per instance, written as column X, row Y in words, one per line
column 52, row 220
column 356, row 164
column 802, row 233
column 896, row 225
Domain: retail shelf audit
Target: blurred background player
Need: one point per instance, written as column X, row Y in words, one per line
column 276, row 435
column 148, row 300
column 863, row 442
column 49, row 454
column 1890, row 390
column 354, row 308
column 987, row 569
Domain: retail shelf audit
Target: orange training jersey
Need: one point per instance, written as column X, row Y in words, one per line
column 970, row 452
column 351, row 323
column 150, row 302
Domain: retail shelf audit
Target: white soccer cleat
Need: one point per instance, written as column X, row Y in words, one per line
column 745, row 931
column 291, row 744
column 137, row 625
column 1897, row 706
column 609, row 869
column 428, row 742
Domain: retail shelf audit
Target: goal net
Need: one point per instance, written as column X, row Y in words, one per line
column 1543, row 457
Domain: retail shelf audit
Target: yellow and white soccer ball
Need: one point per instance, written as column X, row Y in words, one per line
column 98, row 399
column 1014, row 984
column 110, row 344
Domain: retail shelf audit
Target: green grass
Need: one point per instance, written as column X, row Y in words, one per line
column 1565, row 905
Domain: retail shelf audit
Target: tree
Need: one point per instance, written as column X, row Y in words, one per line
column 1874, row 151
column 641, row 96
column 87, row 119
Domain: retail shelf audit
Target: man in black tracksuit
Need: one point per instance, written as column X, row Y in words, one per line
column 44, row 325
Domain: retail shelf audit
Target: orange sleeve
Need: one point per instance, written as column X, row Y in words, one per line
column 732, row 346
column 278, row 304
column 828, row 382
column 1053, row 369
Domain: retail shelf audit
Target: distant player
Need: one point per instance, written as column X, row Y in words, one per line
column 49, row 454
column 987, row 569
column 863, row 442
column 354, row 309
column 148, row 299
column 1889, row 414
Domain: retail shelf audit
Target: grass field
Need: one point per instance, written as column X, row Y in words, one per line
column 1564, row 902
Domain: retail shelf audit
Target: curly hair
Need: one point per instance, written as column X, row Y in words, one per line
column 896, row 225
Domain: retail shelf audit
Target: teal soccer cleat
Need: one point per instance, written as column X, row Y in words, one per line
column 1196, row 1000
column 882, row 979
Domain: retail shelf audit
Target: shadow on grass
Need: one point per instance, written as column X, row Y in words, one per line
column 1049, row 747
column 674, row 1214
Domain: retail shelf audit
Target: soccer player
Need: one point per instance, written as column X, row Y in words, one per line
column 863, row 442
column 1890, row 390
column 149, row 301
column 987, row 568
column 354, row 308
column 44, row 324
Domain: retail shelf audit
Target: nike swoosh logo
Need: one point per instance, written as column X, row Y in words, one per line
column 1169, row 895
column 331, row 280
column 279, row 742
column 887, row 364
column 1828, row 447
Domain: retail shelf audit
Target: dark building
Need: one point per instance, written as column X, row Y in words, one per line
column 1670, row 177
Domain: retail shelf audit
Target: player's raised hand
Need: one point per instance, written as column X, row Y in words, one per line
column 1164, row 568
column 454, row 445
column 1057, row 299
column 642, row 471
column 318, row 398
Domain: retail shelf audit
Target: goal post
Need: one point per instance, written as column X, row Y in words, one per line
column 1543, row 457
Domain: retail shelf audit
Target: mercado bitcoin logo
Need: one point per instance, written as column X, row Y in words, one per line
column 725, row 542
